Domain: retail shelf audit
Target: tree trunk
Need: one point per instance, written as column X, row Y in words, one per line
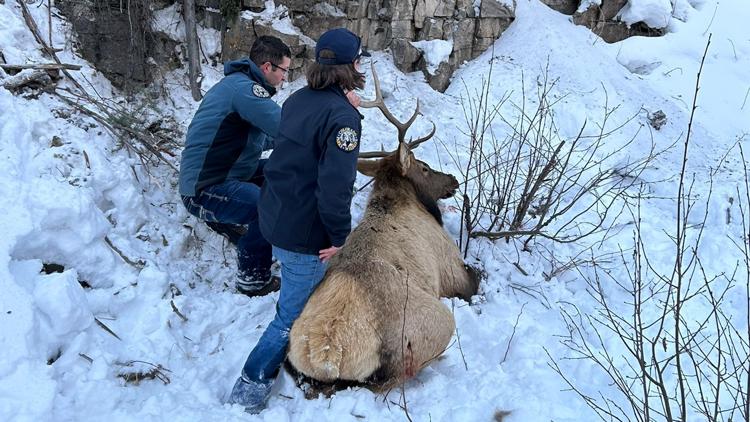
column 191, row 34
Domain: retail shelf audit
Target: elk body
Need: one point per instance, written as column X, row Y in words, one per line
column 376, row 318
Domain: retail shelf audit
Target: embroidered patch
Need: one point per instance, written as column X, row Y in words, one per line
column 260, row 92
column 346, row 139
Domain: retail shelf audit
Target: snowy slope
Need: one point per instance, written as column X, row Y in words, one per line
column 77, row 199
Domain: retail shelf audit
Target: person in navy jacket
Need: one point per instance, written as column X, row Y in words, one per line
column 304, row 204
column 221, row 171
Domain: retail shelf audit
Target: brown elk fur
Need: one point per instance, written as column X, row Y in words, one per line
column 377, row 317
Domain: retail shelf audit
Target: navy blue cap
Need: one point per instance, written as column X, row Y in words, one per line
column 342, row 44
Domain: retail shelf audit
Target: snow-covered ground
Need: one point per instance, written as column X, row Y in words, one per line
column 74, row 198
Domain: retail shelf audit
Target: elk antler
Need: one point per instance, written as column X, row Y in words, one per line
column 402, row 127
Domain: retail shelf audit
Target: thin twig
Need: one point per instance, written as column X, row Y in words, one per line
column 403, row 351
column 513, row 334
column 177, row 311
column 458, row 341
column 107, row 329
column 139, row 264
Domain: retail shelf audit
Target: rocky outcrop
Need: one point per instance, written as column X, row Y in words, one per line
column 242, row 33
column 603, row 18
column 471, row 25
column 117, row 39
column 603, row 21
column 567, row 7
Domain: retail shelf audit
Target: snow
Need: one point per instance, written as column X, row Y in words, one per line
column 654, row 13
column 75, row 197
column 169, row 21
column 434, row 52
column 325, row 9
column 278, row 16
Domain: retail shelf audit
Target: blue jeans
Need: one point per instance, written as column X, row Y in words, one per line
column 300, row 275
column 234, row 202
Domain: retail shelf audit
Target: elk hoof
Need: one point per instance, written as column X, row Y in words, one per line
column 475, row 277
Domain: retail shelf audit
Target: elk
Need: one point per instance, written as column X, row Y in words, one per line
column 376, row 318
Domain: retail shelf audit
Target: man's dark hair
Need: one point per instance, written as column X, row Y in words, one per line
column 321, row 76
column 268, row 48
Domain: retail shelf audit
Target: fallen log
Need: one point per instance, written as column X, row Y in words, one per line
column 27, row 77
column 39, row 66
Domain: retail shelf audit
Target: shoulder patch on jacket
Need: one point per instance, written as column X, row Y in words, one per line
column 260, row 92
column 346, row 139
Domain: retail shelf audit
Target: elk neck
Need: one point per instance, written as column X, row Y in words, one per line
column 392, row 191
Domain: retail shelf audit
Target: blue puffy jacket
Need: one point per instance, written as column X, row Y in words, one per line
column 230, row 129
column 305, row 200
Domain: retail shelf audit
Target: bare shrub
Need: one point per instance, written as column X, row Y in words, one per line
column 685, row 353
column 532, row 183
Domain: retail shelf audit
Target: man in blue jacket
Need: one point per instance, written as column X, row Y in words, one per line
column 221, row 171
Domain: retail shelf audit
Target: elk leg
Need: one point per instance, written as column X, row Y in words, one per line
column 461, row 281
column 418, row 337
column 314, row 388
column 475, row 276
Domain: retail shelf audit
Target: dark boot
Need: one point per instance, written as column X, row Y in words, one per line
column 254, row 288
column 232, row 232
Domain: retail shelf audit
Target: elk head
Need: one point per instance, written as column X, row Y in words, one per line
column 430, row 184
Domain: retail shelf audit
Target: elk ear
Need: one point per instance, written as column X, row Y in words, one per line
column 403, row 157
column 368, row 167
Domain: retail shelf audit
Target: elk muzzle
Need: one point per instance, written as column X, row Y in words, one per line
column 451, row 188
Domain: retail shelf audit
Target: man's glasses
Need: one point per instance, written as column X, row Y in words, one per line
column 283, row 69
column 363, row 57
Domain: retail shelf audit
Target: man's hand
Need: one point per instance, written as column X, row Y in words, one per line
column 326, row 254
column 353, row 99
